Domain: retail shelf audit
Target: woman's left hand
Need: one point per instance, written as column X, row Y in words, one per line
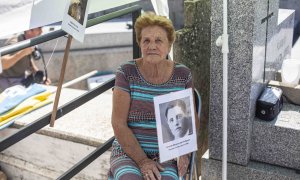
column 183, row 165
column 150, row 169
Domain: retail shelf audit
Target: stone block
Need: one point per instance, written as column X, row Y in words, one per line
column 196, row 12
column 212, row 170
column 280, row 43
column 189, row 13
column 256, row 40
column 293, row 4
column 241, row 96
column 277, row 142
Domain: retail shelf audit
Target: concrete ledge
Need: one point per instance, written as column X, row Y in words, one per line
column 40, row 157
column 212, row 170
column 277, row 142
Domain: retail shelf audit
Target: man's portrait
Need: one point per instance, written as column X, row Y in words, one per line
column 77, row 10
column 175, row 123
column 176, row 119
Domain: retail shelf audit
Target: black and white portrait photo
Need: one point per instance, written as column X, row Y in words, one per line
column 75, row 18
column 77, row 10
column 177, row 119
column 175, row 123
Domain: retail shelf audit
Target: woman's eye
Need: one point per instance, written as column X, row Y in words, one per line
column 146, row 41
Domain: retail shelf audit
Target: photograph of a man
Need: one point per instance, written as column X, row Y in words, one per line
column 178, row 120
column 77, row 10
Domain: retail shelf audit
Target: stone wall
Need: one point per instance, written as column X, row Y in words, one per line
column 192, row 48
column 293, row 4
column 105, row 47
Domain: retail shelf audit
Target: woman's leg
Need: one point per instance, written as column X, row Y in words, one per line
column 124, row 168
column 170, row 172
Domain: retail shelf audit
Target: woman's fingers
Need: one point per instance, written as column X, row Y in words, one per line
column 156, row 173
column 150, row 169
column 160, row 167
column 152, row 176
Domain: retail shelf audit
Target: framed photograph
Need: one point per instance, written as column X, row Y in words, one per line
column 75, row 18
column 175, row 122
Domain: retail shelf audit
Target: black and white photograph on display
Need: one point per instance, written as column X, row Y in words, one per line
column 77, row 10
column 175, row 121
column 75, row 18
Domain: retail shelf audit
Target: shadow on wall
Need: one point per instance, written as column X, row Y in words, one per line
column 293, row 4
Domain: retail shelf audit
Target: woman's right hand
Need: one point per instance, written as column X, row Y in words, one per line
column 150, row 169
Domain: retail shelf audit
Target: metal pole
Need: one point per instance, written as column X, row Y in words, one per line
column 59, row 33
column 225, row 51
column 74, row 81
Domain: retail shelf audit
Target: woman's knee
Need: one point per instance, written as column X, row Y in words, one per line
column 128, row 172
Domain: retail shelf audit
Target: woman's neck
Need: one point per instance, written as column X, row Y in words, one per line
column 156, row 73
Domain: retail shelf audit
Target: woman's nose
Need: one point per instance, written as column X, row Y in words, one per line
column 152, row 46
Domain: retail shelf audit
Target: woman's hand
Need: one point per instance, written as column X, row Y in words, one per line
column 183, row 164
column 150, row 169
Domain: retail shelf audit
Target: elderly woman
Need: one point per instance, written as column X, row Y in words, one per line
column 135, row 152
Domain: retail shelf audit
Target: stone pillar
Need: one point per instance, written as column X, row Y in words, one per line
column 192, row 48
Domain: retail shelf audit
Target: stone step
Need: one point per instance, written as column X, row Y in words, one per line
column 277, row 142
column 40, row 157
column 51, row 151
column 212, row 170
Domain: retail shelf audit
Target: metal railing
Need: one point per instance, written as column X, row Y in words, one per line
column 45, row 120
column 135, row 10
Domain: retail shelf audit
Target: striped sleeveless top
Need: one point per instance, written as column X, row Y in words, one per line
column 141, row 117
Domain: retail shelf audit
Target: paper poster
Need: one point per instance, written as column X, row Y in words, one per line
column 175, row 122
column 20, row 15
column 75, row 18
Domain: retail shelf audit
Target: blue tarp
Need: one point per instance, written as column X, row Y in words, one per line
column 17, row 94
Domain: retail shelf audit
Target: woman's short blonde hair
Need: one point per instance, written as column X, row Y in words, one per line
column 151, row 19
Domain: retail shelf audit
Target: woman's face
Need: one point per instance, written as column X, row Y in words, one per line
column 154, row 44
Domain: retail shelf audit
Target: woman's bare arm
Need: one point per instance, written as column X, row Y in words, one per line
column 121, row 105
